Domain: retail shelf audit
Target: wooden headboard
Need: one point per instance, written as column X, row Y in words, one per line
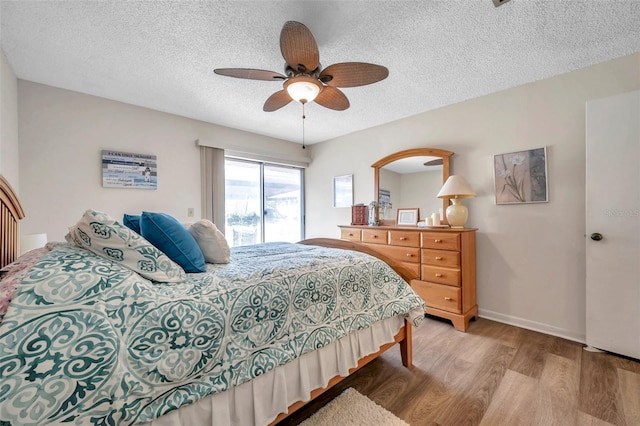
column 10, row 213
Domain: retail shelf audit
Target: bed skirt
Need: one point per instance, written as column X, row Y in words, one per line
column 259, row 401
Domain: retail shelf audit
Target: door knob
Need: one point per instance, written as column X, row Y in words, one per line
column 596, row 236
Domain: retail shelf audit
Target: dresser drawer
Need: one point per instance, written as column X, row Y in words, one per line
column 414, row 268
column 402, row 254
column 441, row 240
column 446, row 258
column 405, row 255
column 447, row 276
column 439, row 296
column 351, row 234
column 374, row 236
column 405, row 239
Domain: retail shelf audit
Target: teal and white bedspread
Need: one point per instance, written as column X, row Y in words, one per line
column 86, row 341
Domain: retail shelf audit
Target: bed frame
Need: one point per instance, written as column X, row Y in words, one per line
column 403, row 337
column 11, row 212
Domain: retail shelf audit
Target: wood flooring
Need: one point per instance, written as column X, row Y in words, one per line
column 496, row 374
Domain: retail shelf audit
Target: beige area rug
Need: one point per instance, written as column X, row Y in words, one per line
column 350, row 408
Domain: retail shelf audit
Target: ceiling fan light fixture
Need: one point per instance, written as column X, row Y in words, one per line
column 304, row 79
column 303, row 89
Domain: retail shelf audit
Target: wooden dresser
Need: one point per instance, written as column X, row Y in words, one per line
column 442, row 262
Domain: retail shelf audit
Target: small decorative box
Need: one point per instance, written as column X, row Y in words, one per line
column 359, row 215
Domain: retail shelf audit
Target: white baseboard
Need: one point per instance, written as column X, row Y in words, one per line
column 533, row 325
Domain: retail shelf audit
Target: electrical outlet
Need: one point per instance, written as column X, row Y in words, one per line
column 190, row 212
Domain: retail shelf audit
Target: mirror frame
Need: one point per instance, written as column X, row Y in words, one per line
column 415, row 152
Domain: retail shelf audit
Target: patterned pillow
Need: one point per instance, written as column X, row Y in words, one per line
column 173, row 239
column 104, row 236
column 211, row 241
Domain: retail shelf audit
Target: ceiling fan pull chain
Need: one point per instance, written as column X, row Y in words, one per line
column 303, row 117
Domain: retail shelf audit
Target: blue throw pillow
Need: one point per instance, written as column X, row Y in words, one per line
column 173, row 239
column 132, row 222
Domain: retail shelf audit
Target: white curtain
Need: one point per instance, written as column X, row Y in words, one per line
column 212, row 177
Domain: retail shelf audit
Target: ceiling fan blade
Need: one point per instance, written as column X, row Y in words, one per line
column 436, row 162
column 276, row 101
column 298, row 46
column 250, row 74
column 332, row 98
column 352, row 74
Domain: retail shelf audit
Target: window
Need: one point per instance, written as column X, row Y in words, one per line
column 263, row 202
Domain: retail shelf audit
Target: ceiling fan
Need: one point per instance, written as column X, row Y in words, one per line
column 304, row 78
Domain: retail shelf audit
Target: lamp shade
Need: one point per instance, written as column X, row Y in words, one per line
column 456, row 187
column 32, row 241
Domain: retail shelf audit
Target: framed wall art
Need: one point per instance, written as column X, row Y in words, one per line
column 126, row 170
column 521, row 177
column 408, row 217
column 343, row 191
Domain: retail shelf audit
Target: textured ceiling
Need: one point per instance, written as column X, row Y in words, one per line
column 161, row 55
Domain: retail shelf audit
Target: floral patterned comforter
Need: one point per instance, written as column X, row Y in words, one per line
column 87, row 341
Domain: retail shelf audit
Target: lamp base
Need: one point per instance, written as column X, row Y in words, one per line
column 457, row 214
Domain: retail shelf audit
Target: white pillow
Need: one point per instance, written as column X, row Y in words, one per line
column 211, row 241
column 104, row 236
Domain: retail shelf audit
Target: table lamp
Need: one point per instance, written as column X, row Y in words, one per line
column 456, row 188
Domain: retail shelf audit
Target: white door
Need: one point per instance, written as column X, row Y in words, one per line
column 613, row 213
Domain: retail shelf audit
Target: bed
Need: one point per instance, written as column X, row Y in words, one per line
column 88, row 341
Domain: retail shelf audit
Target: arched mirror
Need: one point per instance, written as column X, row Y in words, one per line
column 411, row 179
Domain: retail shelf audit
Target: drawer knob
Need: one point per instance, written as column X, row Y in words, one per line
column 351, row 235
column 438, row 257
column 375, row 236
column 448, row 299
column 403, row 238
column 409, row 255
column 438, row 241
column 439, row 275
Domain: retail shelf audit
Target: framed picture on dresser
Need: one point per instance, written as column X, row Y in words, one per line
column 408, row 217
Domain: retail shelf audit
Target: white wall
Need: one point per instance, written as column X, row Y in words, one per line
column 62, row 134
column 531, row 266
column 8, row 123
